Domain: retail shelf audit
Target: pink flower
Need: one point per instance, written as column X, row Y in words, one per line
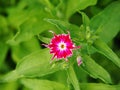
column 61, row 46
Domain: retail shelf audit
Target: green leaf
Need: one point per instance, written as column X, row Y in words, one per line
column 85, row 19
column 4, row 31
column 78, row 5
column 44, row 39
column 24, row 48
column 17, row 16
column 4, row 35
column 95, row 70
column 107, row 23
column 36, row 64
column 36, row 84
column 11, row 76
column 96, row 86
column 73, row 79
column 33, row 25
column 9, row 86
column 3, row 23
column 21, row 12
column 3, row 52
column 59, row 24
column 104, row 49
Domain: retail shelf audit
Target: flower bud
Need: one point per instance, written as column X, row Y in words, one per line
column 79, row 60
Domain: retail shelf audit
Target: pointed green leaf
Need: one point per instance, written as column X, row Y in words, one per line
column 24, row 48
column 95, row 70
column 78, row 5
column 85, row 19
column 36, row 84
column 104, row 49
column 107, row 23
column 59, row 24
column 36, row 64
column 9, row 86
column 98, row 86
column 11, row 76
column 44, row 39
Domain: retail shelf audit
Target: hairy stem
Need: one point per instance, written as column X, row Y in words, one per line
column 72, row 77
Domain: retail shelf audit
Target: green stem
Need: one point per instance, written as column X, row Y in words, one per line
column 73, row 79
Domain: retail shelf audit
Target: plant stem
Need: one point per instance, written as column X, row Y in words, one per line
column 72, row 77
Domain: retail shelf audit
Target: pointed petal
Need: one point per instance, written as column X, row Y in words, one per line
column 46, row 45
column 53, row 57
column 76, row 47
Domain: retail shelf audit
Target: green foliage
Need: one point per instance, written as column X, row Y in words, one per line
column 37, row 64
column 77, row 5
column 94, row 86
column 107, row 23
column 3, row 51
column 95, row 70
column 3, row 36
column 24, row 27
column 36, row 84
column 33, row 20
column 24, row 48
column 72, row 78
column 105, row 50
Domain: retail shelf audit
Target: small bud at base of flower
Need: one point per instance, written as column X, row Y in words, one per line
column 79, row 60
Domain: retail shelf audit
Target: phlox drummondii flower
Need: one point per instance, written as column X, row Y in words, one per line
column 61, row 46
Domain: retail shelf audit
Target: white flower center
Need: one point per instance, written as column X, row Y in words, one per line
column 62, row 46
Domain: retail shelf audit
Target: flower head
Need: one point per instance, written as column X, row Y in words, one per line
column 61, row 46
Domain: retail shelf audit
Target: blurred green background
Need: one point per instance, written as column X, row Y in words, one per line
column 11, row 54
